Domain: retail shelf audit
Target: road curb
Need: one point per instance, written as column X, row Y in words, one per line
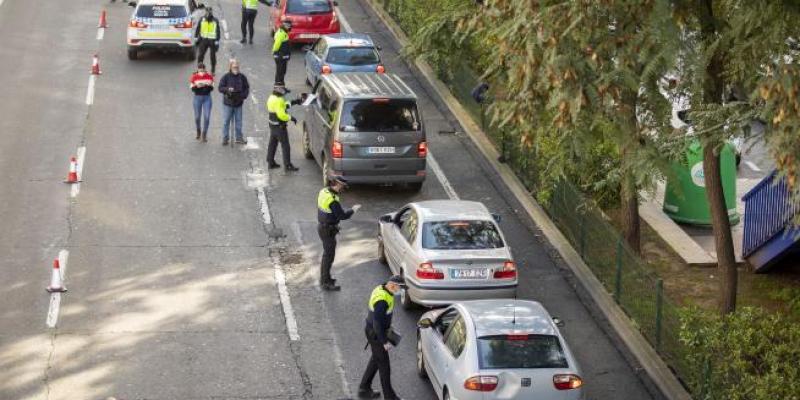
column 650, row 361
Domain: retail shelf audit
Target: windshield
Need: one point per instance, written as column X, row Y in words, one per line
column 520, row 351
column 353, row 56
column 379, row 115
column 453, row 235
column 161, row 11
column 308, row 7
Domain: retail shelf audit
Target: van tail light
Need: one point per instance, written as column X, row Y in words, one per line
column 185, row 24
column 567, row 381
column 137, row 24
column 426, row 271
column 481, row 383
column 337, row 150
column 326, row 69
column 509, row 271
column 381, row 69
column 422, row 149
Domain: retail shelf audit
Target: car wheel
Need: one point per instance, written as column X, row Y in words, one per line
column 738, row 160
column 420, row 359
column 308, row 81
column 307, row 144
column 325, row 170
column 405, row 299
column 382, row 252
column 446, row 396
column 415, row 186
column 133, row 54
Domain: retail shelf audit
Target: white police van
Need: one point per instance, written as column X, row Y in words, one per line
column 162, row 25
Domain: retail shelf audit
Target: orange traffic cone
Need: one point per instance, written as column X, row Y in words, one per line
column 96, row 65
column 56, row 285
column 72, row 176
column 103, row 23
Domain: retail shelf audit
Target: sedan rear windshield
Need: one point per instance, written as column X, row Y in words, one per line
column 308, row 7
column 161, row 11
column 520, row 351
column 454, row 235
column 379, row 115
column 352, row 56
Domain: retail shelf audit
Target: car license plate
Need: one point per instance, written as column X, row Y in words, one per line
column 308, row 36
column 472, row 273
column 380, row 150
column 160, row 28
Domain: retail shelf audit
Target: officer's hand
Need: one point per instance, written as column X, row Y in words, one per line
column 356, row 208
column 387, row 346
column 294, row 120
column 216, row 44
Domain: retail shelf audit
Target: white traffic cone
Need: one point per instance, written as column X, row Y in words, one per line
column 56, row 285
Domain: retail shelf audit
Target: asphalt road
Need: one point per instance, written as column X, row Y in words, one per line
column 174, row 271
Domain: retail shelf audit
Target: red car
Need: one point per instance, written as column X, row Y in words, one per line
column 310, row 18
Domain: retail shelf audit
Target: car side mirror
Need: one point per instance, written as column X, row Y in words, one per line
column 201, row 5
column 132, row 3
column 380, row 48
column 386, row 218
column 425, row 323
column 497, row 217
column 335, row 3
column 559, row 323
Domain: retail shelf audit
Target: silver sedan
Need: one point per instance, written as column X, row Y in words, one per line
column 496, row 350
column 447, row 250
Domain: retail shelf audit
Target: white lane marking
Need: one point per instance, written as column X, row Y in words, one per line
column 262, row 200
column 343, row 21
column 255, row 100
column 225, row 30
column 90, row 90
column 286, row 302
column 101, row 32
column 752, row 166
column 76, row 187
column 448, row 188
column 55, row 298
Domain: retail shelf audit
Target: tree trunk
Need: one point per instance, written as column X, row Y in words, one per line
column 629, row 201
column 723, row 239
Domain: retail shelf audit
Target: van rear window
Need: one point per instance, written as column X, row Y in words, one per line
column 161, row 11
column 379, row 115
column 307, row 7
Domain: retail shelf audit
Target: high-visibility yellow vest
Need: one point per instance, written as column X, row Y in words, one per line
column 378, row 294
column 325, row 199
column 250, row 4
column 208, row 30
column 276, row 107
column 280, row 40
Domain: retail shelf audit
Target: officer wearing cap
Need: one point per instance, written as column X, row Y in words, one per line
column 378, row 326
column 281, row 50
column 278, row 127
column 329, row 214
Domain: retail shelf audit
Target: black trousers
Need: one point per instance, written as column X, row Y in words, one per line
column 280, row 69
column 279, row 134
column 378, row 363
column 248, row 19
column 202, row 46
column 327, row 233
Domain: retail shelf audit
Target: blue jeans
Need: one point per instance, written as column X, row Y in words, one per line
column 202, row 108
column 235, row 113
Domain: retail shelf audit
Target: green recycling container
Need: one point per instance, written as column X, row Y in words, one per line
column 685, row 197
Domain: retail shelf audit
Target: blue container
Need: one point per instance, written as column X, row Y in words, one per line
column 768, row 232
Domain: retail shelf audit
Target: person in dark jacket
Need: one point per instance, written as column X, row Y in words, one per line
column 202, row 84
column 329, row 214
column 207, row 37
column 235, row 88
column 378, row 325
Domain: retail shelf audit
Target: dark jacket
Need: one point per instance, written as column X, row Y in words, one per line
column 241, row 89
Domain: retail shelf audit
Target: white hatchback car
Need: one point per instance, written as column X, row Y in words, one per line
column 448, row 251
column 496, row 350
column 161, row 25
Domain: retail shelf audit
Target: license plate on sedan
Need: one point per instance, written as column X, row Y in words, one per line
column 308, row 36
column 380, row 150
column 472, row 273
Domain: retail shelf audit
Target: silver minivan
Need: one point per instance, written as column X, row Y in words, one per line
column 367, row 128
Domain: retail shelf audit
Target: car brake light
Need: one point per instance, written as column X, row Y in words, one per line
column 137, row 24
column 381, row 69
column 516, row 337
column 567, row 381
column 326, row 69
column 337, row 150
column 422, row 149
column 380, row 100
column 185, row 24
column 481, row 383
column 509, row 271
column 426, row 271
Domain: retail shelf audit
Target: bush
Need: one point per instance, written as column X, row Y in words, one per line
column 748, row 355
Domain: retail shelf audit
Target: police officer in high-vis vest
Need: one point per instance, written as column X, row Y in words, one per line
column 329, row 213
column 207, row 35
column 281, row 51
column 278, row 127
column 249, row 12
column 378, row 324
